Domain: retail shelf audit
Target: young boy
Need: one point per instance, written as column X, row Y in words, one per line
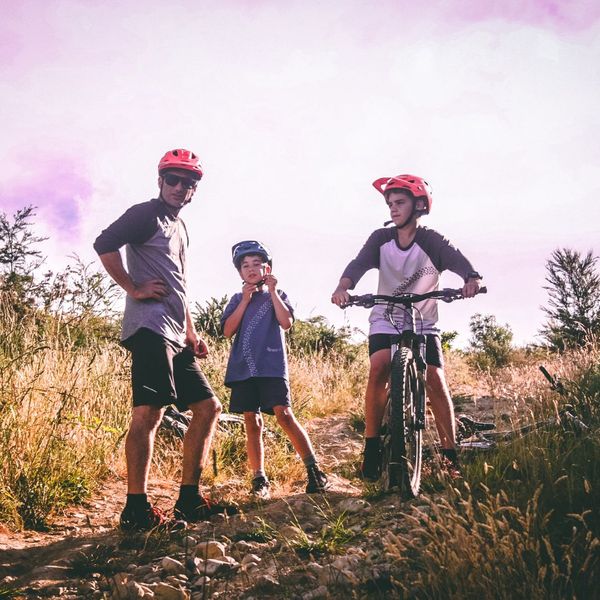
column 410, row 258
column 257, row 371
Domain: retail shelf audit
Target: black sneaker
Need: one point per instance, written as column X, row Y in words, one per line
column 260, row 488
column 200, row 508
column 370, row 468
column 145, row 518
column 317, row 480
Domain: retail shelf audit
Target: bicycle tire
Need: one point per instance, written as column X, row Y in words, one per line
column 402, row 442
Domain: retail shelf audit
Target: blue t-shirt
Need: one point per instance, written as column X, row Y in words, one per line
column 258, row 349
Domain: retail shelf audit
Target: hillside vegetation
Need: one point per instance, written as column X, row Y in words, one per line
column 523, row 522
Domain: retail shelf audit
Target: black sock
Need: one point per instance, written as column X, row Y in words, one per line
column 309, row 460
column 137, row 500
column 451, row 455
column 372, row 444
column 188, row 492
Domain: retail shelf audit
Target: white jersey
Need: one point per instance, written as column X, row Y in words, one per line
column 415, row 269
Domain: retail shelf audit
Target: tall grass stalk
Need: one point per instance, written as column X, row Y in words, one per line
column 65, row 407
column 63, row 412
column 527, row 525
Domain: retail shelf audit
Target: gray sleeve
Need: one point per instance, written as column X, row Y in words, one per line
column 135, row 226
column 368, row 257
column 442, row 253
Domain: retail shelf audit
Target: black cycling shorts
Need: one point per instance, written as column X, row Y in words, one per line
column 433, row 347
column 163, row 373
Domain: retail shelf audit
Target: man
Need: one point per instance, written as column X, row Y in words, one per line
column 158, row 331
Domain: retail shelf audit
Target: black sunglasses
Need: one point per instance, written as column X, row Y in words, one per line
column 172, row 180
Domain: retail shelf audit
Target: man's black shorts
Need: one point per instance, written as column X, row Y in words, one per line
column 163, row 373
column 433, row 347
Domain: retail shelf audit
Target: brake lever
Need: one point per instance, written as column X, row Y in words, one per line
column 450, row 297
column 366, row 302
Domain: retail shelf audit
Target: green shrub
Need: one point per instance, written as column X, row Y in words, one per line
column 207, row 317
column 490, row 343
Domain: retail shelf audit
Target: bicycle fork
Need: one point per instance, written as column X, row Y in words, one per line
column 420, row 344
column 416, row 343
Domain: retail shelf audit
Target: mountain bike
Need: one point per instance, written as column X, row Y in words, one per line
column 404, row 417
column 475, row 435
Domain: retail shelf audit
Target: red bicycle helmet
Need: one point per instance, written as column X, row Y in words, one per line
column 180, row 159
column 417, row 186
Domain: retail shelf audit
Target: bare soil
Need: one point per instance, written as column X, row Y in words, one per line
column 40, row 562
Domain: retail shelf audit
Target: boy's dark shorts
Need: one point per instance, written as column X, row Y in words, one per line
column 433, row 347
column 259, row 394
column 163, row 373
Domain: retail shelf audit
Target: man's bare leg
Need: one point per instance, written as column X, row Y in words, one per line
column 198, row 438
column 139, row 445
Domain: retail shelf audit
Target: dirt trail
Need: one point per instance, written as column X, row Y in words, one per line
column 41, row 559
column 41, row 562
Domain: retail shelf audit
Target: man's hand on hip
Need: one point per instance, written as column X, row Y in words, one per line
column 155, row 289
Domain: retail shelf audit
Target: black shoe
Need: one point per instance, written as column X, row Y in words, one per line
column 200, row 508
column 260, row 488
column 145, row 518
column 370, row 468
column 317, row 480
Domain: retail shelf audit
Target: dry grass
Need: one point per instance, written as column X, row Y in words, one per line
column 65, row 408
column 62, row 415
column 527, row 525
column 488, row 548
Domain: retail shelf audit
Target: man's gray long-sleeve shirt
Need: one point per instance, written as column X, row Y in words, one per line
column 156, row 243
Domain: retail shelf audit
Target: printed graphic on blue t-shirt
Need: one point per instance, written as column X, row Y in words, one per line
column 258, row 349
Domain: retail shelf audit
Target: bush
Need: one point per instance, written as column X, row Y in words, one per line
column 207, row 318
column 490, row 343
column 316, row 336
column 447, row 339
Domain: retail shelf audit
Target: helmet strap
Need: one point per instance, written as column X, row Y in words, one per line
column 410, row 217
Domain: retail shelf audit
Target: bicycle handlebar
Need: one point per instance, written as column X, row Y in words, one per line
column 370, row 300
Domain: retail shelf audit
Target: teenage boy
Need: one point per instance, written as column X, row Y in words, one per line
column 158, row 331
column 410, row 258
column 257, row 371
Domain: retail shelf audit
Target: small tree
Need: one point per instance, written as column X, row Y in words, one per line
column 574, row 299
column 207, row 318
column 490, row 343
column 315, row 334
column 447, row 339
column 19, row 257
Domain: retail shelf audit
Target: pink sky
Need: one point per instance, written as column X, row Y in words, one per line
column 295, row 108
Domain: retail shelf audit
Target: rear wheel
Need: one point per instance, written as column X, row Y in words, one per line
column 402, row 437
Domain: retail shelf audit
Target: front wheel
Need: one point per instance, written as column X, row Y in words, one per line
column 402, row 434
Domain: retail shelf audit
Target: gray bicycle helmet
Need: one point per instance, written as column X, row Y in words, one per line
column 241, row 249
